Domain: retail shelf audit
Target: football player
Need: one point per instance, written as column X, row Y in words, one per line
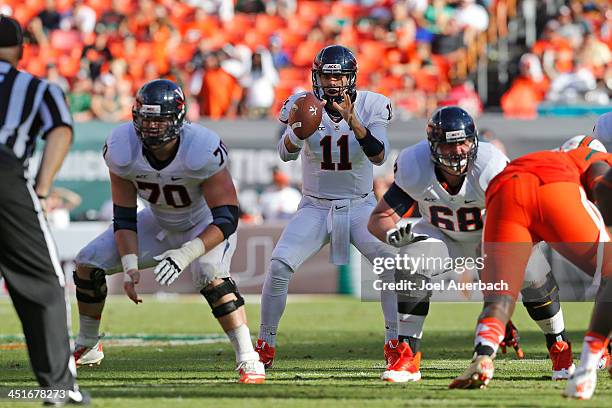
column 542, row 196
column 181, row 170
column 337, row 166
column 446, row 176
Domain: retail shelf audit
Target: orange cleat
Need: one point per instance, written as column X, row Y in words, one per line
column 405, row 368
column 562, row 360
column 391, row 353
column 88, row 355
column 251, row 372
column 266, row 353
column 477, row 375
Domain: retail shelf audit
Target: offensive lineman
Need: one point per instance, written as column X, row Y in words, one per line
column 181, row 170
column 337, row 188
column 447, row 176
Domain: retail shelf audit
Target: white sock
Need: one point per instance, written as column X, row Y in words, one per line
column 410, row 325
column 274, row 300
column 241, row 340
column 89, row 331
column 552, row 325
column 388, row 301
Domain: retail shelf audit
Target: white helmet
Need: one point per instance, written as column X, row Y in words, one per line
column 583, row 141
column 603, row 128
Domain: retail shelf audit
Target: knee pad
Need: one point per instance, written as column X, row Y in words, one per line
column 542, row 302
column 277, row 280
column 413, row 286
column 213, row 294
column 95, row 283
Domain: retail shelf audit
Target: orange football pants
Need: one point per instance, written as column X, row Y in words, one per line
column 524, row 211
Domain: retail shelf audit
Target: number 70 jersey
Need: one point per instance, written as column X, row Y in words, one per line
column 460, row 216
column 333, row 163
column 174, row 192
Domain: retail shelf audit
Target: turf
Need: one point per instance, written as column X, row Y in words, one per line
column 330, row 353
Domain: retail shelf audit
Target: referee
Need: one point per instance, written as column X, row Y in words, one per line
column 28, row 258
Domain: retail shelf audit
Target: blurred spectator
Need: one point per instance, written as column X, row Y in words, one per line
column 259, row 85
column 84, row 17
column 113, row 20
column 80, row 99
column 250, row 6
column 279, row 201
column 527, row 90
column 279, row 56
column 106, row 101
column 571, row 87
column 220, row 92
column 463, row 94
column 55, row 77
column 96, row 56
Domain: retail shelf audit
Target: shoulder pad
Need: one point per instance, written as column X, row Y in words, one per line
column 411, row 168
column 121, row 148
column 490, row 161
column 203, row 148
column 375, row 107
column 283, row 115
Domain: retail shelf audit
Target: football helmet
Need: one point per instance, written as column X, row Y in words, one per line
column 158, row 113
column 334, row 59
column 583, row 141
column 450, row 125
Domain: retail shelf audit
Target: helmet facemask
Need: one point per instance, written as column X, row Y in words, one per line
column 155, row 128
column 454, row 163
column 334, row 93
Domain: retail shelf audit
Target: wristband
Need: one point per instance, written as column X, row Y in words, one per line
column 193, row 249
column 293, row 138
column 370, row 145
column 129, row 262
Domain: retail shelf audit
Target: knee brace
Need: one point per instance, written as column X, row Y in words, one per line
column 96, row 283
column 415, row 301
column 214, row 293
column 542, row 302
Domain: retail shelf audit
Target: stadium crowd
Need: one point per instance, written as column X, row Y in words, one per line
column 245, row 57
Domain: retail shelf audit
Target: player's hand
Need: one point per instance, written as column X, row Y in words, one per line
column 345, row 108
column 511, row 339
column 402, row 235
column 174, row 261
column 130, row 280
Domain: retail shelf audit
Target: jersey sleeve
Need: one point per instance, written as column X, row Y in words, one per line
column 119, row 149
column 378, row 122
column 206, row 155
column 54, row 111
column 494, row 161
column 406, row 171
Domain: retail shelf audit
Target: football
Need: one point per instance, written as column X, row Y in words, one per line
column 305, row 115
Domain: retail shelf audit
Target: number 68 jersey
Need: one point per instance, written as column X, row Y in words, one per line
column 174, row 192
column 333, row 163
column 459, row 216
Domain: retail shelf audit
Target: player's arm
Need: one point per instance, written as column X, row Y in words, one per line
column 593, row 175
column 57, row 144
column 602, row 193
column 126, row 238
column 289, row 145
column 221, row 197
column 394, row 205
column 372, row 147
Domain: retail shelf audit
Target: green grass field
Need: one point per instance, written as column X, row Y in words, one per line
column 330, row 353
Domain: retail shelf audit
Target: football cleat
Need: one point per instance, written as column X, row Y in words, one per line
column 88, row 355
column 266, row 353
column 405, row 368
column 562, row 360
column 251, row 372
column 391, row 353
column 605, row 360
column 477, row 375
column 581, row 384
column 72, row 397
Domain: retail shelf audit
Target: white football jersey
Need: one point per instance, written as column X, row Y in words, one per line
column 333, row 163
column 174, row 192
column 460, row 216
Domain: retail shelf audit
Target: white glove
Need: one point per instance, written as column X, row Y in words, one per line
column 402, row 235
column 174, row 261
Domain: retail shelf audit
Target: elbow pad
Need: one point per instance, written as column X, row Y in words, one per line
column 225, row 217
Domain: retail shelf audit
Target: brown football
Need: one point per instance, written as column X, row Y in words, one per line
column 305, row 115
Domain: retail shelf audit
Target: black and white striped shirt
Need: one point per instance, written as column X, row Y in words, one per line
column 28, row 106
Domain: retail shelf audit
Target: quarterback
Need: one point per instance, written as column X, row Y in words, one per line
column 181, row 171
column 337, row 162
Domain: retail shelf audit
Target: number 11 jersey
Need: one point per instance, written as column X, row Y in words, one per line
column 333, row 163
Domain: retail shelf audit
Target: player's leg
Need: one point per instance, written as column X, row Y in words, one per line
column 507, row 246
column 96, row 260
column 35, row 280
column 541, row 299
column 211, row 275
column 370, row 247
column 413, row 305
column 303, row 237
